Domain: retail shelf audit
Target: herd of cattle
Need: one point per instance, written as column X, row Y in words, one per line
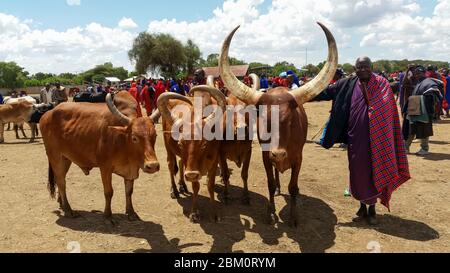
column 117, row 141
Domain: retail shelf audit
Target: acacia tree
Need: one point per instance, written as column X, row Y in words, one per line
column 193, row 55
column 158, row 53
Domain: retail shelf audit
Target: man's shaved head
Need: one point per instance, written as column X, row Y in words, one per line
column 364, row 69
column 364, row 59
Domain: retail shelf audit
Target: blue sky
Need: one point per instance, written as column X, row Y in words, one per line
column 53, row 36
column 57, row 14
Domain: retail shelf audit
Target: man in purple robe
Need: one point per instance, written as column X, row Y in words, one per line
column 365, row 117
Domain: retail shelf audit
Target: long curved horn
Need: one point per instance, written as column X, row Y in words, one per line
column 239, row 89
column 256, row 81
column 162, row 105
column 321, row 81
column 112, row 107
column 155, row 116
column 215, row 93
column 210, row 81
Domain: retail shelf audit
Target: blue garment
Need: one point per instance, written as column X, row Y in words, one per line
column 1, row 99
column 296, row 80
column 264, row 83
column 175, row 88
column 447, row 94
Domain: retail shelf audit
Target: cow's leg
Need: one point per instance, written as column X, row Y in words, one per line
column 271, row 216
column 195, row 215
column 16, row 130
column 277, row 183
column 182, row 183
column 294, row 192
column 109, row 192
column 9, row 127
column 225, row 173
column 132, row 215
column 211, row 186
column 60, row 168
column 172, row 162
column 22, row 130
column 244, row 175
column 33, row 127
column 2, row 132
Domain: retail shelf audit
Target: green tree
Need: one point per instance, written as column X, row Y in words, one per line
column 348, row 68
column 193, row 54
column 11, row 75
column 213, row 61
column 280, row 67
column 157, row 53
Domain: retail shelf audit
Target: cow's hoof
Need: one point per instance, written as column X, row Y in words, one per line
column 184, row 189
column 133, row 217
column 175, row 195
column 216, row 218
column 111, row 221
column 2, row 141
column 278, row 192
column 32, row 141
column 272, row 219
column 195, row 218
column 71, row 214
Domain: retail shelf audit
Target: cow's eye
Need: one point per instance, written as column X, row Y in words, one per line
column 134, row 139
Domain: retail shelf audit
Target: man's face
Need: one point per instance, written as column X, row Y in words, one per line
column 363, row 70
column 419, row 74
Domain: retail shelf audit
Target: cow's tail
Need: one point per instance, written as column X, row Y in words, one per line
column 51, row 182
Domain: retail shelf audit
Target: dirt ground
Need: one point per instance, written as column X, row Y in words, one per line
column 419, row 220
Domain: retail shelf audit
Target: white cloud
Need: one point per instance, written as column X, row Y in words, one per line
column 72, row 50
column 127, row 23
column 73, row 2
column 377, row 28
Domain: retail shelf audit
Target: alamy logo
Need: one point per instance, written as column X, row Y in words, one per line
column 238, row 122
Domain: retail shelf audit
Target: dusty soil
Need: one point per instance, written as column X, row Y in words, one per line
column 419, row 220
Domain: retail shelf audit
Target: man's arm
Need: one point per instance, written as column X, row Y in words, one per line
column 328, row 94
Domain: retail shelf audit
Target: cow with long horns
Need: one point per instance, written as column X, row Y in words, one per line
column 199, row 156
column 103, row 136
column 292, row 123
column 237, row 142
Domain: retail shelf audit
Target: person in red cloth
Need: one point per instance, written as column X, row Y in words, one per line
column 160, row 89
column 147, row 96
column 134, row 92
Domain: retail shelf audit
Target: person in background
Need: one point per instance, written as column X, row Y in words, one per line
column 175, row 88
column 447, row 92
column 59, row 94
column 291, row 82
column 264, row 82
column 1, row 98
column 424, row 97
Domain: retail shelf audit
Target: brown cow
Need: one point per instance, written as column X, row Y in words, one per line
column 198, row 157
column 99, row 135
column 293, row 122
column 236, row 150
column 18, row 112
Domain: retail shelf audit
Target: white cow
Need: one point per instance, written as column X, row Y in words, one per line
column 19, row 125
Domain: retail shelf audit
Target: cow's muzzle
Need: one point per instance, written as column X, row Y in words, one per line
column 278, row 155
column 151, row 167
column 192, row 176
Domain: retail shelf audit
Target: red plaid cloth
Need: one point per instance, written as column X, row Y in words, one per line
column 389, row 160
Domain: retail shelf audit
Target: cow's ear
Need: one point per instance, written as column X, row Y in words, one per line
column 118, row 130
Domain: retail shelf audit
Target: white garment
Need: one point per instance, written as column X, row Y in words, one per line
column 294, row 86
column 48, row 95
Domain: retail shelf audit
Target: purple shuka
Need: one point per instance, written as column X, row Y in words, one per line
column 359, row 153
